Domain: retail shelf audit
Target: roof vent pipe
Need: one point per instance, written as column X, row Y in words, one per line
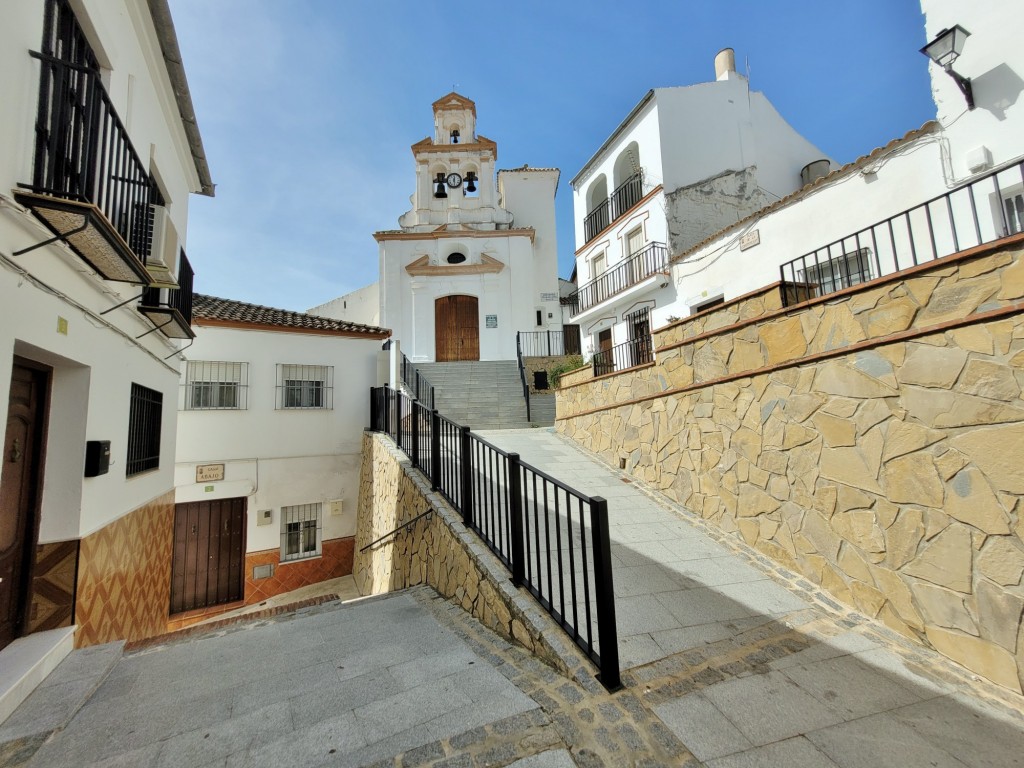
column 814, row 171
column 725, row 62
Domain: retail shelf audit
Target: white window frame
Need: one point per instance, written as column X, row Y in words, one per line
column 829, row 272
column 592, row 262
column 305, row 387
column 216, row 385
column 301, row 532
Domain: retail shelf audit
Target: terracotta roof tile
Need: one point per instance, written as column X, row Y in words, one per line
column 214, row 308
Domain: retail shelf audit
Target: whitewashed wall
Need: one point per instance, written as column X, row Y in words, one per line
column 359, row 306
column 277, row 457
column 99, row 358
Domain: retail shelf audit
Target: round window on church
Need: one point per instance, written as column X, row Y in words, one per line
column 456, row 258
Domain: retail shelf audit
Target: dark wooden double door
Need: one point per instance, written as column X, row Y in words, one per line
column 20, row 481
column 209, row 554
column 456, row 329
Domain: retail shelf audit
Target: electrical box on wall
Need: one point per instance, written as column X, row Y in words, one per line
column 335, row 506
column 265, row 517
column 97, row 457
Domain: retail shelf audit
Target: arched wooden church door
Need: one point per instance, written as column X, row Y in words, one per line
column 456, row 329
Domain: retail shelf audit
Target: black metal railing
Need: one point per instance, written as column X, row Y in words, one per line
column 549, row 343
column 417, row 383
column 522, row 375
column 612, row 208
column 179, row 298
column 597, row 220
column 626, row 355
column 652, row 259
column 553, row 539
column 83, row 152
column 975, row 213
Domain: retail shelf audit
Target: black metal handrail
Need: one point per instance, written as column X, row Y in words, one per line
column 549, row 343
column 420, row 386
column 553, row 539
column 522, row 373
column 626, row 355
column 978, row 212
column 83, row 151
column 652, row 259
column 612, row 208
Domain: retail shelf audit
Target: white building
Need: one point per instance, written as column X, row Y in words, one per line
column 684, row 163
column 273, row 405
column 475, row 259
column 99, row 151
column 953, row 183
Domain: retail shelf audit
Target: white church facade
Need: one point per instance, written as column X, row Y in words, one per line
column 475, row 258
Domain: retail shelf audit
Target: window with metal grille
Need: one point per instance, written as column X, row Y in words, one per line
column 216, row 385
column 144, row 430
column 840, row 272
column 305, row 386
column 1013, row 205
column 300, row 531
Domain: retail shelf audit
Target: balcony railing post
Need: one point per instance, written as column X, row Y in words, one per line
column 466, row 474
column 374, row 409
column 604, row 593
column 435, row 450
column 517, row 550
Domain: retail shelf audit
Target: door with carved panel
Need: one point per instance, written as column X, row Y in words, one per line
column 456, row 328
column 19, row 493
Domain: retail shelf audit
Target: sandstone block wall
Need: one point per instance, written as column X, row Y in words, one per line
column 872, row 441
column 439, row 551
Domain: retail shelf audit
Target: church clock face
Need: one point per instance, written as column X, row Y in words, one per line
column 454, row 180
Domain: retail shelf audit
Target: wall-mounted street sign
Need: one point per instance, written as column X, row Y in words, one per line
column 208, row 473
column 549, row 297
column 750, row 239
column 491, row 321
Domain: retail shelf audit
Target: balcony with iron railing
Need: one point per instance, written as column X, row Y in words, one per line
column 650, row 260
column 629, row 354
column 612, row 208
column 170, row 309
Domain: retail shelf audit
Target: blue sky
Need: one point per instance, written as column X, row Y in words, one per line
column 308, row 107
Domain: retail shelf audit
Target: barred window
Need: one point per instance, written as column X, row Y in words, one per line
column 216, row 385
column 300, row 531
column 144, row 430
column 305, row 386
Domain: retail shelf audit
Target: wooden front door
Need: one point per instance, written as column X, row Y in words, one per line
column 456, row 329
column 19, row 485
column 209, row 554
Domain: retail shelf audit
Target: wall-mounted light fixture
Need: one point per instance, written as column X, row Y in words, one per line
column 946, row 49
column 439, row 188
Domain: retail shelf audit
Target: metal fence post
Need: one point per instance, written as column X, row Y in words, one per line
column 466, row 474
column 386, row 407
column 605, row 595
column 374, row 426
column 435, row 450
column 515, row 516
column 416, row 433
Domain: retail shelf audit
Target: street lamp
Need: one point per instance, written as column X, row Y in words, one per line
column 944, row 50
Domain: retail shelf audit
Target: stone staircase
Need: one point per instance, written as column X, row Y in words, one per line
column 485, row 395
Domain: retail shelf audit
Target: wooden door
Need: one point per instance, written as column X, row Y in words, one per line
column 456, row 329
column 19, row 485
column 603, row 357
column 209, row 554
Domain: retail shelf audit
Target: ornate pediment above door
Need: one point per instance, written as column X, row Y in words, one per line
column 423, row 267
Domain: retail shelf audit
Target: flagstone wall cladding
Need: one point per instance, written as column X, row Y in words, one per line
column 439, row 551
column 890, row 473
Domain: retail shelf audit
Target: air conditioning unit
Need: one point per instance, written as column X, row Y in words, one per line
column 162, row 262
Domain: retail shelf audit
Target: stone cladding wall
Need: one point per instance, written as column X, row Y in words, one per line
column 872, row 440
column 438, row 550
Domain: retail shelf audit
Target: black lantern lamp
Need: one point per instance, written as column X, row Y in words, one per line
column 439, row 188
column 470, row 181
column 455, row 135
column 946, row 49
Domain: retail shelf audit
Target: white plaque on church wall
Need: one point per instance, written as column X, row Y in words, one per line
column 549, row 297
column 491, row 321
column 750, row 239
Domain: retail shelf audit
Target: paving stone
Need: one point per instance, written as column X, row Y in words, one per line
column 851, row 687
column 553, row 758
column 701, row 727
column 794, row 753
column 880, row 742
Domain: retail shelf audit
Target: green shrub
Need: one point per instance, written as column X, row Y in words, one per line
column 566, row 364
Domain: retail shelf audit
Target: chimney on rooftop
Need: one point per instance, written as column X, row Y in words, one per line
column 725, row 65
